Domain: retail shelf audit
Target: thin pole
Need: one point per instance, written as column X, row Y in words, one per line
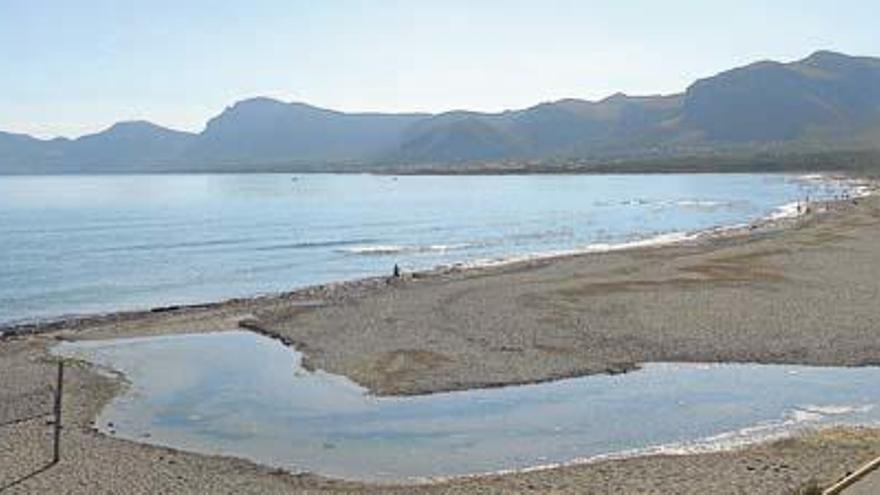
column 59, row 390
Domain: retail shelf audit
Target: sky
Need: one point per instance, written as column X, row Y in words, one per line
column 75, row 67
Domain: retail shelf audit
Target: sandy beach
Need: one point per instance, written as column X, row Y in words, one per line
column 798, row 291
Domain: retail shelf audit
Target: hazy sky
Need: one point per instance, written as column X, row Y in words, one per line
column 73, row 67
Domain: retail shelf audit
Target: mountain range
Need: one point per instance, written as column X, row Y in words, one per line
column 825, row 98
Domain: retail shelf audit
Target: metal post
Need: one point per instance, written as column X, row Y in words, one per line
column 59, row 390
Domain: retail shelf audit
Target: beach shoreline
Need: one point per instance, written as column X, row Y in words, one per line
column 793, row 290
column 785, row 216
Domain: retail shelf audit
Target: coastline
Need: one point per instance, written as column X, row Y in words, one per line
column 784, row 216
column 415, row 335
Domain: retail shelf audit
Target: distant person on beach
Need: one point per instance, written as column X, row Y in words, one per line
column 396, row 271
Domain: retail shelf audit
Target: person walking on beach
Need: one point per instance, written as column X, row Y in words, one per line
column 396, row 271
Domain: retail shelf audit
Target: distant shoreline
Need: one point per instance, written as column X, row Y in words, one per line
column 859, row 161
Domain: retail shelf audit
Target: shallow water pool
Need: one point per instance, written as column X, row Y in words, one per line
column 241, row 394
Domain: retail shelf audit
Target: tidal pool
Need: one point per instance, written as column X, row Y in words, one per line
column 241, row 394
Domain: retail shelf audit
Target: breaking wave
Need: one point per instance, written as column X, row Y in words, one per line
column 380, row 249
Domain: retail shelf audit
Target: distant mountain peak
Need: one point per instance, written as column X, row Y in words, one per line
column 258, row 100
column 761, row 64
column 133, row 125
column 821, row 56
column 565, row 101
column 616, row 98
column 134, row 129
column 258, row 103
column 262, row 106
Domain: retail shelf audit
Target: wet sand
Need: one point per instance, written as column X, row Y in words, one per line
column 804, row 292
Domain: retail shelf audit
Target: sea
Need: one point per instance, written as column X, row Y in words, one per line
column 86, row 244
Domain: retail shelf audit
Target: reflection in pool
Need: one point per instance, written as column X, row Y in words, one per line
column 241, row 394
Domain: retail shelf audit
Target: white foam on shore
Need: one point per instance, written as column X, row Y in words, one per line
column 788, row 210
column 795, row 421
column 398, row 248
column 837, row 410
column 862, row 189
column 664, row 239
column 854, row 187
column 665, row 203
column 701, row 203
column 813, row 177
column 376, row 249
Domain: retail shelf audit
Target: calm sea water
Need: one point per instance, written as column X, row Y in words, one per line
column 89, row 244
column 241, row 394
